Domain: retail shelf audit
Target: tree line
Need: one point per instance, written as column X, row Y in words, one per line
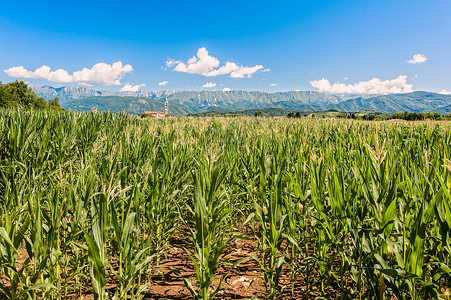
column 408, row 116
column 18, row 94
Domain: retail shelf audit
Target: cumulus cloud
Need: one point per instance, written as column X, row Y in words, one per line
column 131, row 88
column 417, row 59
column 273, row 84
column 242, row 72
column 374, row 86
column 163, row 83
column 100, row 74
column 209, row 85
column 226, row 89
column 444, row 92
column 204, row 64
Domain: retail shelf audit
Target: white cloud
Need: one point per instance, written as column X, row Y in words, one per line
column 273, row 84
column 265, row 70
column 242, row 72
column 346, row 78
column 297, row 90
column 163, row 83
column 209, row 85
column 204, row 64
column 417, row 59
column 226, row 89
column 100, row 74
column 200, row 64
column 374, row 86
column 444, row 92
column 131, row 88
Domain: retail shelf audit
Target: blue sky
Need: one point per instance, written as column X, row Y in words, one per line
column 270, row 45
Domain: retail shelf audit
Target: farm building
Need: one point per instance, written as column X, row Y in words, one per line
column 160, row 114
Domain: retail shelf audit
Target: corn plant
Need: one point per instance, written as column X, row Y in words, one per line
column 271, row 214
column 96, row 241
column 91, row 203
column 132, row 259
column 208, row 236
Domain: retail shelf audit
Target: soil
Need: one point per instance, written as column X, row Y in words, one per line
column 243, row 282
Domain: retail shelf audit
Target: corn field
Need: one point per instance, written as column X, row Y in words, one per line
column 91, row 204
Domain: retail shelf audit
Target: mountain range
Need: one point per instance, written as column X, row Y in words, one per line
column 67, row 93
column 192, row 102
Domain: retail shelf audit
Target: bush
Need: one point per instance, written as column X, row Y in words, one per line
column 144, row 115
column 259, row 113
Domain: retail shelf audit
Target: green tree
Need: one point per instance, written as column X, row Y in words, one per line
column 259, row 113
column 54, row 102
column 18, row 93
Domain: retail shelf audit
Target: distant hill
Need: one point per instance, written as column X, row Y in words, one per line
column 75, row 93
column 239, row 99
column 65, row 93
column 189, row 102
column 266, row 111
column 130, row 105
column 247, row 100
column 297, row 106
column 413, row 102
column 278, row 112
column 444, row 110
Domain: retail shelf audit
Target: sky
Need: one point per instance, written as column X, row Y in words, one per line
column 354, row 46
